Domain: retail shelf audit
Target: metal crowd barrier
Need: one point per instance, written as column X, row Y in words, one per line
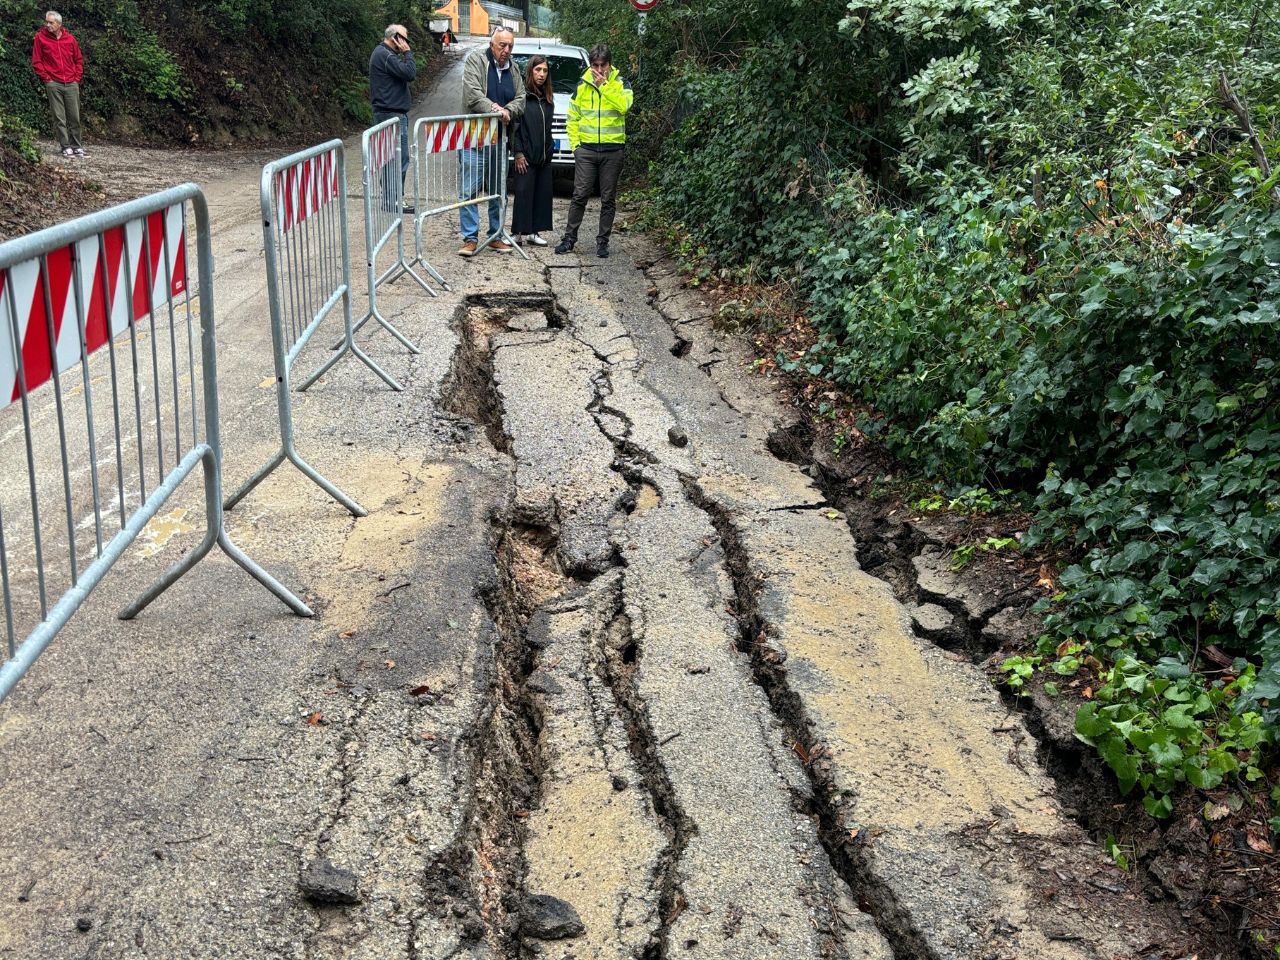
column 438, row 171
column 119, row 278
column 383, row 217
column 304, row 228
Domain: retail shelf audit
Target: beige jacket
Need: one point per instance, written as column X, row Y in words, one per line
column 475, row 86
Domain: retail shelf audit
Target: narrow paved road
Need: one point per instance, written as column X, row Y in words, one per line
column 598, row 677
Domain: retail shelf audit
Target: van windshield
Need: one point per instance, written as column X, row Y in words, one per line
column 565, row 71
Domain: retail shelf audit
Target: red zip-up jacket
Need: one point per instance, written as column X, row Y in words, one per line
column 57, row 58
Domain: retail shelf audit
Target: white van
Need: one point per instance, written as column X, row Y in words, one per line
column 567, row 64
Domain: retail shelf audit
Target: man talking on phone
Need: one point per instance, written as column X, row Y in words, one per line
column 391, row 70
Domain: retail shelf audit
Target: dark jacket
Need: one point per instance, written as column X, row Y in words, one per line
column 389, row 77
column 532, row 137
column 57, row 58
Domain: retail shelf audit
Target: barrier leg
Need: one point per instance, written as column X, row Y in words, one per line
column 418, row 258
column 215, row 535
column 262, row 473
column 373, row 314
column 310, row 471
column 342, row 347
column 288, row 451
column 271, row 583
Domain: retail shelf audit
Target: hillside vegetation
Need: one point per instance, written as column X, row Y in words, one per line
column 203, row 73
column 1040, row 248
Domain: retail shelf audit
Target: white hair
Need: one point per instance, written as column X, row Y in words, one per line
column 393, row 30
column 57, row 17
column 500, row 28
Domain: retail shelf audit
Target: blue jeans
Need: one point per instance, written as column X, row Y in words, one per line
column 479, row 174
column 388, row 185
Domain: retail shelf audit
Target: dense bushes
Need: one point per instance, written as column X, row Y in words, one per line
column 224, row 70
column 1041, row 248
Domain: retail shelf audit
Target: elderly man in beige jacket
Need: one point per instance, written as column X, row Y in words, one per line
column 490, row 84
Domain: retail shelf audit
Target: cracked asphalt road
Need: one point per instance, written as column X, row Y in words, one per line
column 572, row 691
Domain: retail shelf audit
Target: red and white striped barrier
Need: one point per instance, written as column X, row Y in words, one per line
column 107, row 311
column 302, row 189
column 382, row 146
column 449, row 135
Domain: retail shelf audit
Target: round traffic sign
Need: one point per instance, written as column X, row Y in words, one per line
column 644, row 5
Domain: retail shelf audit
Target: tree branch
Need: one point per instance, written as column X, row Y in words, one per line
column 1232, row 102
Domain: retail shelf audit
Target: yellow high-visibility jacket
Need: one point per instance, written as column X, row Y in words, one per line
column 599, row 114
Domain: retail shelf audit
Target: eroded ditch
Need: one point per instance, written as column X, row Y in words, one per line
column 889, row 547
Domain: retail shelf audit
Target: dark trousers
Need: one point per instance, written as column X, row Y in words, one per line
column 391, row 198
column 64, row 103
column 531, row 212
column 589, row 168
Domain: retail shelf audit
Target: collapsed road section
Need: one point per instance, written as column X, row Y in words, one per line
column 733, row 711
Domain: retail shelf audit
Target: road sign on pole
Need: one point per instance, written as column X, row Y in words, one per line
column 644, row 6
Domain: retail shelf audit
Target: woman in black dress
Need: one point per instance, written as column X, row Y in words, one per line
column 532, row 149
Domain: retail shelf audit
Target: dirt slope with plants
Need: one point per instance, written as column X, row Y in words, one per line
column 1031, row 254
column 231, row 71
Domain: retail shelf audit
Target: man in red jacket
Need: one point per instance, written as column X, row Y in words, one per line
column 55, row 55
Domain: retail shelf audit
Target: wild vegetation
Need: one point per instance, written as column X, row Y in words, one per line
column 242, row 70
column 1039, row 246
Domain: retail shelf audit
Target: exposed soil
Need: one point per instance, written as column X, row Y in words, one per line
column 32, row 196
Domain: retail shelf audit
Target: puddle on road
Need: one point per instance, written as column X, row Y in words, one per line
column 155, row 536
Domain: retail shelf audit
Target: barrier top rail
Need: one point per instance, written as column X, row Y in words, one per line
column 66, row 293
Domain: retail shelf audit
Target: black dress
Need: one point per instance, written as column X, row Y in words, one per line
column 531, row 212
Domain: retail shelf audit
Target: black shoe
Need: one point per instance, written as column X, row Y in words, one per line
column 564, row 246
column 602, row 250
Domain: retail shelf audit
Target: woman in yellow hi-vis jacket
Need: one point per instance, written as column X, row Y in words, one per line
column 597, row 128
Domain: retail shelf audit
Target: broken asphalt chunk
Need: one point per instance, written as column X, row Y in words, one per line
column 323, row 883
column 549, row 918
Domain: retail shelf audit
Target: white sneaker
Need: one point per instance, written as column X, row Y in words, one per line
column 68, row 152
column 536, row 240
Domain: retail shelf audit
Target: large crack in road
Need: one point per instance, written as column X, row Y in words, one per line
column 692, row 621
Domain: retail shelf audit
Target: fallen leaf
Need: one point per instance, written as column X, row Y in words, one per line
column 1087, row 693
column 345, row 634
column 316, row 719
column 1257, row 840
column 419, row 691
column 1216, row 811
column 391, row 664
column 801, row 752
column 430, row 737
